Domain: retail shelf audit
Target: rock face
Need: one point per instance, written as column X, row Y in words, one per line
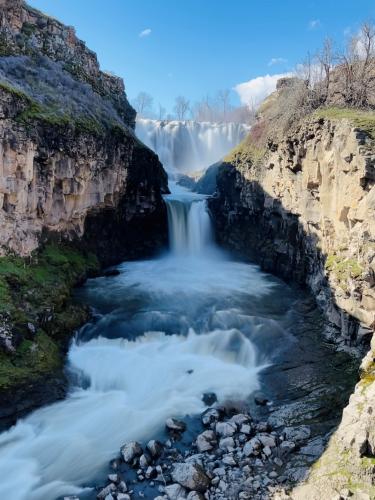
column 305, row 210
column 306, row 213
column 69, row 156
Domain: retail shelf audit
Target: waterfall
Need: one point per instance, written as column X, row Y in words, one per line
column 188, row 221
column 188, row 146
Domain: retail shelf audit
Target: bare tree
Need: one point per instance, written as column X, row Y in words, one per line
column 181, row 107
column 161, row 112
column 223, row 97
column 143, row 103
column 358, row 65
column 326, row 60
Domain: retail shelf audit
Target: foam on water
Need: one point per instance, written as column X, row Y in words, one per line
column 125, row 389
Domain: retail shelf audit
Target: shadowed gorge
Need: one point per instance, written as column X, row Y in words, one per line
column 187, row 282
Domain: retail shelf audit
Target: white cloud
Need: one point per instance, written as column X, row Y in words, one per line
column 146, row 32
column 314, row 23
column 277, row 60
column 254, row 91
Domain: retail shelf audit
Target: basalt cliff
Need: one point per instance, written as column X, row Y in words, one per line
column 302, row 204
column 78, row 191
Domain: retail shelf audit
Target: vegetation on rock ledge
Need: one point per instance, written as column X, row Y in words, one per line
column 36, row 313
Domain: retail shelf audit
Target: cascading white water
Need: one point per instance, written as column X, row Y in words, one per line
column 189, row 224
column 188, row 146
column 168, row 330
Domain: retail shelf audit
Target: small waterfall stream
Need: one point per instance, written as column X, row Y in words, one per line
column 189, row 226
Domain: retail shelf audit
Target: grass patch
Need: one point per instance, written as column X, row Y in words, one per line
column 364, row 120
column 246, row 153
column 343, row 269
column 38, row 291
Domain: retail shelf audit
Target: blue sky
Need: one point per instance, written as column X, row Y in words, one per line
column 196, row 47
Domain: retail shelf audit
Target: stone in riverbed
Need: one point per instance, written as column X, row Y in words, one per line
column 227, row 444
column 108, row 490
column 252, row 447
column 209, row 398
column 210, row 416
column 297, row 433
column 195, row 495
column 175, row 491
column 225, row 429
column 130, row 451
column 191, row 476
column 172, row 424
column 206, row 441
column 155, row 448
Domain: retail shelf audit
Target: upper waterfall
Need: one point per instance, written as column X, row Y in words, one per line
column 189, row 146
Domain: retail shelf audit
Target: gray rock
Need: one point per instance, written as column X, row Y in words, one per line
column 226, row 429
column 130, row 451
column 229, row 460
column 278, row 461
column 155, row 448
column 227, row 444
column 296, row 434
column 210, row 416
column 191, row 476
column 206, row 441
column 252, row 447
column 111, row 488
column 195, row 495
column 172, row 424
column 267, row 440
column 175, row 491
column 245, row 429
column 113, row 478
column 144, row 461
column 267, row 451
column 122, row 487
column 239, row 419
column 123, row 496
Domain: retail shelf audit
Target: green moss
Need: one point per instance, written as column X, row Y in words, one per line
column 32, row 290
column 364, row 120
column 14, row 91
column 343, row 269
column 246, row 153
column 32, row 360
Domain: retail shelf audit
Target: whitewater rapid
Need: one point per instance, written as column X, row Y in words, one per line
column 165, row 331
column 187, row 146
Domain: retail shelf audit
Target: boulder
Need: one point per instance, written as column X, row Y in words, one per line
column 226, row 429
column 155, row 448
column 130, row 451
column 172, row 424
column 206, row 441
column 191, row 476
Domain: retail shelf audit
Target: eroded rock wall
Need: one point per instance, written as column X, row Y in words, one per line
column 305, row 210
column 65, row 161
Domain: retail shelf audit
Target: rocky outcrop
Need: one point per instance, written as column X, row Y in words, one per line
column 67, row 151
column 78, row 191
column 306, row 211
column 303, row 207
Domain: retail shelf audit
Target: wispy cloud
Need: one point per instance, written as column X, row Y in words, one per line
column 146, row 32
column 314, row 24
column 255, row 90
column 277, row 60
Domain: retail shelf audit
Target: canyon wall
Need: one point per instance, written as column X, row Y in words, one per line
column 68, row 150
column 304, row 208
